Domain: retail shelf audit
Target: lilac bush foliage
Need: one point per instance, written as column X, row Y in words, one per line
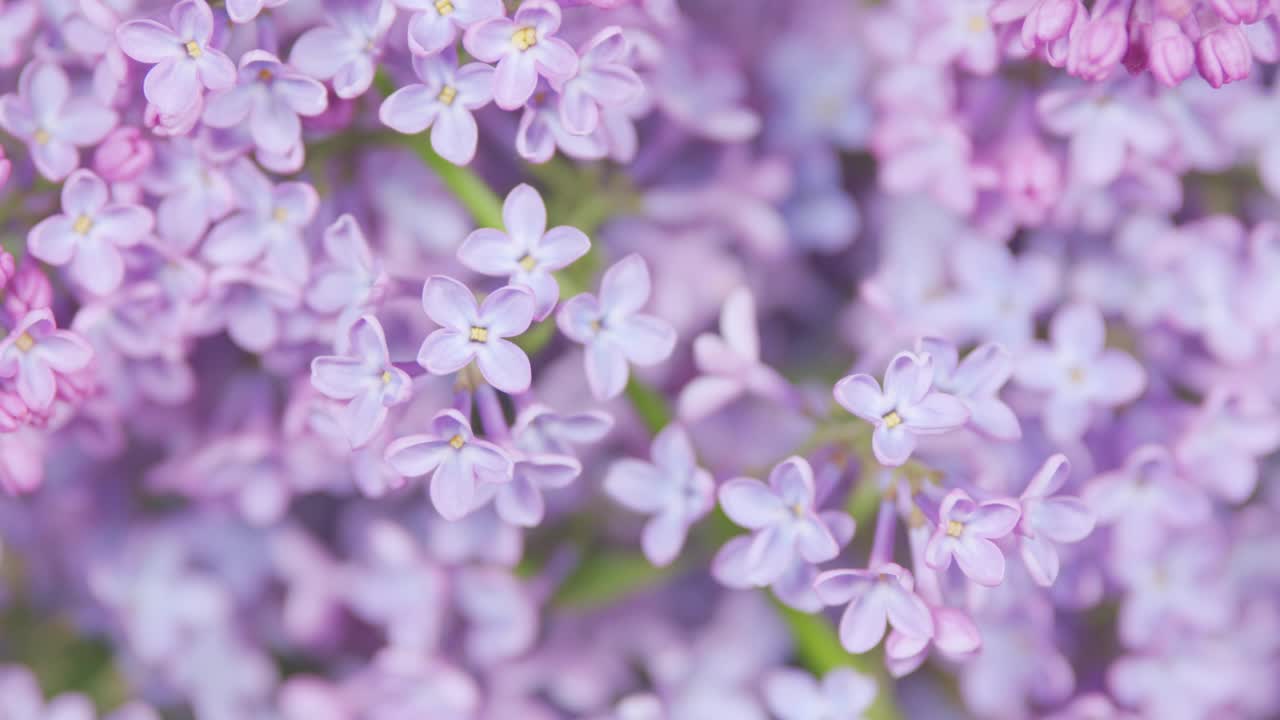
column 639, row 359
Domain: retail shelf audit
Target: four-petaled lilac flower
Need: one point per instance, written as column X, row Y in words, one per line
column 524, row 47
column 1048, row 518
column 876, row 598
column 975, row 382
column 730, row 362
column 443, row 101
column 185, row 62
column 612, row 330
column 352, row 278
column 1078, row 372
column 783, row 518
column 966, row 530
column 270, row 221
column 908, row 406
column 365, row 377
column 89, row 233
column 527, row 252
column 456, row 460
column 843, row 694
column 36, row 352
column 435, row 24
column 470, row 332
column 603, row 81
column 346, row 50
column 673, row 489
column 520, row 501
column 21, row 698
column 52, row 123
column 271, row 96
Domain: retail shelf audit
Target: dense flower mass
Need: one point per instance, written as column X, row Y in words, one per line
column 639, row 359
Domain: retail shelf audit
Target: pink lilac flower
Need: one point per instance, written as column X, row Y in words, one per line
column 967, row 531
column 436, row 24
column 456, row 459
column 613, row 330
column 1078, row 372
column 524, row 47
column 351, row 278
column 345, row 51
column 672, row 489
column 604, row 80
column 875, row 599
column 444, row 102
column 365, row 377
column 269, row 224
column 797, row 695
column 184, row 62
column 20, row 694
column 270, row 96
column 1049, row 519
column 471, row 332
column 906, row 408
column 44, row 115
column 527, row 253
column 89, row 233
column 975, row 382
column 36, row 355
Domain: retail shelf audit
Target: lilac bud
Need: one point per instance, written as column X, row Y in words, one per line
column 1176, row 9
column 1170, row 53
column 1237, row 12
column 1048, row 21
column 29, row 290
column 5, row 167
column 1102, row 43
column 1223, row 56
column 123, row 155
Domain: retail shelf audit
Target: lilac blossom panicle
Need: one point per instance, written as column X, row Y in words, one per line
column 639, row 359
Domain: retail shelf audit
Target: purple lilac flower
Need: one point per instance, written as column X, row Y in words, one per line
column 876, row 599
column 365, row 377
column 975, row 382
column 185, row 62
column 477, row 332
column 444, row 102
column 613, row 330
column 271, row 97
column 603, row 80
column 89, row 233
column 906, row 408
column 524, row 47
column 345, row 51
column 249, row 303
column 967, row 531
column 351, row 278
column 1048, row 519
column 527, row 253
column 52, row 123
column 456, row 459
column 672, row 489
column 796, row 695
column 36, row 354
column 436, row 24
column 520, row 501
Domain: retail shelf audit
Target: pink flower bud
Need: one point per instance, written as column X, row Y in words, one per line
column 1101, row 44
column 1238, row 11
column 1170, row 53
column 1031, row 178
column 29, row 290
column 1048, row 21
column 1223, row 55
column 1176, row 9
column 123, row 155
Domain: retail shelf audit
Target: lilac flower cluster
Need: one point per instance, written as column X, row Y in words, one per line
column 639, row 359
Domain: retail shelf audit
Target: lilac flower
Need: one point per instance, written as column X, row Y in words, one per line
column 541, row 132
column 345, row 50
column 52, row 123
column 784, row 519
column 20, row 695
column 540, row 430
column 5, row 168
column 907, row 407
column 876, row 598
column 195, row 190
column 456, row 460
column 673, row 489
column 249, row 304
column 1104, row 127
column 243, row 11
column 36, row 354
column 1078, row 372
column 89, row 233
column 796, row 695
column 270, row 222
column 524, row 46
column 469, row 332
column 612, row 330
column 975, row 382
column 352, row 278
column 365, row 377
column 604, row 80
column 527, row 252
column 520, row 501
column 1048, row 519
column 271, row 96
column 185, row 62
column 443, row 102
column 966, row 531
column 436, row 24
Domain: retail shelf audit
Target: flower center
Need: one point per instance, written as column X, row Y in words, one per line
column 444, row 7
column 25, row 342
column 527, row 262
column 954, row 528
column 386, row 377
column 1076, row 375
column 447, row 94
column 456, row 442
column 892, row 419
column 978, row 23
column 479, row 334
column 279, row 214
column 41, row 136
column 82, row 225
column 194, row 50
column 524, row 38
column 265, row 75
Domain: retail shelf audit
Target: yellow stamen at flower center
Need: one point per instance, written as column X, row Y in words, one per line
column 25, row 342
column 528, row 263
column 280, row 214
column 444, row 7
column 386, row 377
column 954, row 528
column 798, row 509
column 479, row 334
column 265, row 75
column 447, row 94
column 193, row 49
column 1076, row 375
column 82, row 225
column 524, row 38
column 978, row 23
column 456, row 442
column 893, row 419
column 41, row 136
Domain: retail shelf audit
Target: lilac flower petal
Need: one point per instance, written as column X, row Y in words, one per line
column 505, row 366
column 524, row 215
column 320, row 52
column 980, row 560
column 98, row 266
column 992, row 520
column 793, row 695
column 636, row 485
column 488, row 461
column 455, row 135
column 624, row 289
column 673, row 452
column 489, row 252
column 771, row 552
column 508, row 311
column 410, row 110
column 892, row 446
column 644, row 339
column 338, row 377
column 1078, row 329
column 860, row 395
column 520, row 502
column 445, row 351
column 706, row 394
column 792, row 481
column 936, row 412
column 1049, row 478
column 607, row 370
column 837, row 587
column 147, row 41
column 555, row 59
column 452, row 489
column 907, row 379
column 1061, row 519
column 750, row 503
column 173, row 86
column 1041, row 558
column 450, row 304
column 1116, row 378
column 864, row 622
column 52, row 240
column 663, row 537
column 430, row 32
column 815, row 543
column 514, row 80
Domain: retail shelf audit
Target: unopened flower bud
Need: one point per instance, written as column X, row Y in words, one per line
column 1223, row 55
column 123, row 155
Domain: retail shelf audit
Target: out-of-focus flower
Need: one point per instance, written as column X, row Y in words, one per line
column 270, row 96
column 796, row 695
column 346, row 50
column 1048, row 519
column 976, row 382
column 44, row 115
column 365, row 377
column 269, row 224
column 603, row 81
